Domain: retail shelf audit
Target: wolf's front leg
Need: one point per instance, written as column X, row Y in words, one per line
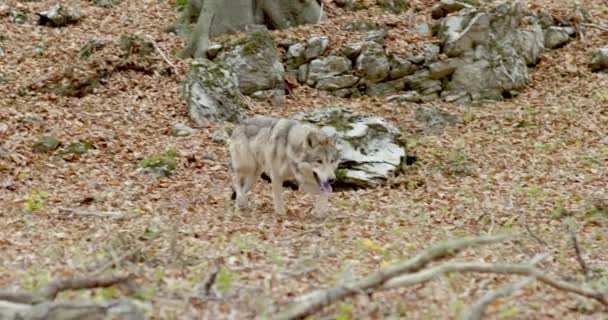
column 321, row 206
column 277, row 195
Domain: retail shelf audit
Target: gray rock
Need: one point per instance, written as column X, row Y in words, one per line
column 352, row 50
column 327, row 67
column 441, row 69
column 303, row 73
column 46, row 144
column 219, row 136
column 435, row 118
column 445, row 7
column 59, row 16
column 416, row 59
column 494, row 50
column 385, row 88
column 545, row 20
column 461, row 33
column 337, row 82
column 315, row 47
column 105, row 3
column 213, row 50
column 212, row 93
column 343, row 93
column 431, row 52
column 422, row 28
column 400, row 67
column 376, row 36
column 275, row 96
column 255, row 60
column 599, row 59
column 182, row 130
column 370, row 150
column 530, row 43
column 372, row 64
column 556, row 37
column 409, row 96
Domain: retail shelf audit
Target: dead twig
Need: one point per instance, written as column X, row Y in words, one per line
column 579, row 256
column 310, row 303
column 593, row 25
column 534, row 236
column 162, row 55
column 477, row 310
column 50, row 291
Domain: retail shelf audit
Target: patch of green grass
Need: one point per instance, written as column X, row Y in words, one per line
column 224, row 279
column 159, row 165
column 345, row 312
column 181, row 3
column 35, row 201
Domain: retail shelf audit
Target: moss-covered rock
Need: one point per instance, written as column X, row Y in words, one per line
column 212, row 93
column 370, row 147
column 76, row 149
column 159, row 165
column 46, row 144
column 255, row 61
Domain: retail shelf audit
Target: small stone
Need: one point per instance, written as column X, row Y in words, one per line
column 422, row 28
column 435, row 118
column 440, row 69
column 556, row 37
column 400, row 67
column 46, row 144
column 213, row 50
column 431, row 52
column 376, row 36
column 599, row 59
column 343, row 93
column 295, row 55
column 182, row 130
column 385, row 88
column 219, row 136
column 352, row 50
column 303, row 73
column 409, row 96
column 327, row 67
column 315, row 47
column 445, row 7
column 58, row 16
column 337, row 82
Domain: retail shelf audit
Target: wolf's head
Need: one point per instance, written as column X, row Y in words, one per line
column 316, row 166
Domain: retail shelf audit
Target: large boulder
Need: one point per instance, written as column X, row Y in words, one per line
column 212, row 93
column 494, row 52
column 370, row 150
column 255, row 60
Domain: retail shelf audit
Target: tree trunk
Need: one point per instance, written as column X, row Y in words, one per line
column 217, row 17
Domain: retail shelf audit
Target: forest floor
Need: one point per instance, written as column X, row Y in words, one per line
column 539, row 159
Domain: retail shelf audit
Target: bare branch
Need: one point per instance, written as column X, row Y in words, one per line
column 595, row 26
column 50, row 291
column 315, row 300
column 577, row 249
column 476, row 310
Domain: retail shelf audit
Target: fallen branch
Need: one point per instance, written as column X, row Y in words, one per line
column 50, row 291
column 316, row 300
column 70, row 310
column 577, row 250
column 592, row 25
column 162, row 54
column 477, row 310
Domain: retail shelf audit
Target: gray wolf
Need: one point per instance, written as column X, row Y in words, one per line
column 287, row 152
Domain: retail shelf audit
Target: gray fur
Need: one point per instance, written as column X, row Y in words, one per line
column 287, row 150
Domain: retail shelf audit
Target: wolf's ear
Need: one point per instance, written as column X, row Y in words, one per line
column 311, row 140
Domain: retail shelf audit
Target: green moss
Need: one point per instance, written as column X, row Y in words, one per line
column 77, row 148
column 159, row 165
column 181, row 3
column 252, row 42
column 395, row 6
column 46, row 144
column 340, row 174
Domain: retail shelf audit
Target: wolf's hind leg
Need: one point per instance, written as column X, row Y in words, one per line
column 243, row 183
column 277, row 194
